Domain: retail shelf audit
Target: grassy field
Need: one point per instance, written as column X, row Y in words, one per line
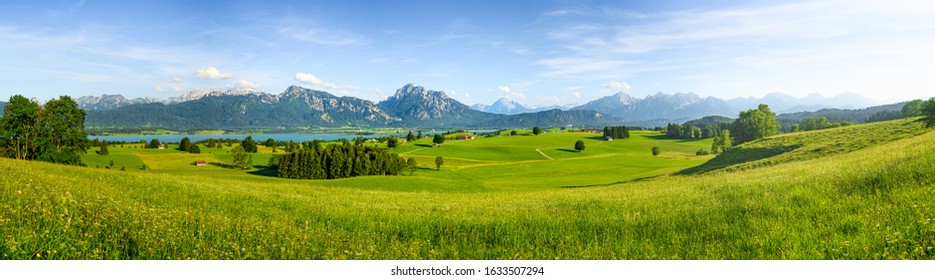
column 836, row 194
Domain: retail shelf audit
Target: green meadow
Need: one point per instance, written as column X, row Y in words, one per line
column 856, row 192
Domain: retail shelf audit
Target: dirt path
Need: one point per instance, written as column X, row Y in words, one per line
column 413, row 151
column 543, row 154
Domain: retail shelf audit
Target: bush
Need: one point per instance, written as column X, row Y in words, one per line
column 701, row 152
column 656, row 151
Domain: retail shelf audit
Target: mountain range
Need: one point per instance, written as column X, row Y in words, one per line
column 415, row 106
column 509, row 107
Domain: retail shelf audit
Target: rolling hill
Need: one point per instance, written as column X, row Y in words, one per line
column 842, row 193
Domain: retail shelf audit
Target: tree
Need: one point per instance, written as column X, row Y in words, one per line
column 392, row 142
column 241, row 159
column 536, row 130
column 928, row 110
column 194, row 149
column 913, row 108
column 111, row 163
column 439, row 161
column 61, row 132
column 579, row 146
column 721, row 142
column 412, row 165
column 409, row 136
column 513, row 133
column 754, row 124
column 249, row 145
column 103, row 150
column 795, row 128
column 359, row 141
column 270, row 143
column 815, row 123
column 19, row 126
column 154, row 144
column 419, row 135
column 656, row 151
column 185, row 145
column 438, row 139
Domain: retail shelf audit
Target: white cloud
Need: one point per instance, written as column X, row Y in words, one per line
column 312, row 80
column 512, row 94
column 212, row 73
column 623, row 86
column 467, row 95
column 247, row 84
column 576, row 94
column 158, row 88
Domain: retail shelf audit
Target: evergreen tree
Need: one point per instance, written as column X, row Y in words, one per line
column 185, row 145
column 103, row 151
column 409, row 136
column 249, row 145
column 412, row 165
column 439, row 161
column 419, row 135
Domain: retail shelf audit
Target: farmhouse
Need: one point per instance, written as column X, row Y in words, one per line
column 465, row 137
column 200, row 163
column 162, row 147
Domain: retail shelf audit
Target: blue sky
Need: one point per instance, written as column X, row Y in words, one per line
column 535, row 52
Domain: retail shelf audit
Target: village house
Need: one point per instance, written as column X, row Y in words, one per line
column 201, row 163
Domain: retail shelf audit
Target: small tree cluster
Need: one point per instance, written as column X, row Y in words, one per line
column 340, row 161
column 722, row 142
column 928, row 110
column 186, row 145
column 754, row 124
column 53, row 132
column 617, row 132
column 249, row 145
column 103, row 148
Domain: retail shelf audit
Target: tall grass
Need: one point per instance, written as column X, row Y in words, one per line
column 873, row 203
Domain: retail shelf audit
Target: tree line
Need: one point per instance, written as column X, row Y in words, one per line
column 53, row 132
column 617, row 132
column 338, row 161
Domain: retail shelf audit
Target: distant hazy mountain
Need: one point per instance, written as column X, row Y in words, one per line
column 552, row 118
column 783, row 103
column 661, row 107
column 415, row 105
column 611, row 105
column 2, row 105
column 503, row 106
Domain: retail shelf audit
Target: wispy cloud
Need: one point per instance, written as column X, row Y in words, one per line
column 247, row 84
column 618, row 85
column 511, row 93
column 312, row 80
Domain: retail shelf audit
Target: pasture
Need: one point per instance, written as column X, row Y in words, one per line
column 873, row 199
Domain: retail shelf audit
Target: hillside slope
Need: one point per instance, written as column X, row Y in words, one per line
column 874, row 202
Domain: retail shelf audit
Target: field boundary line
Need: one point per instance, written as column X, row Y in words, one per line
column 413, row 151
